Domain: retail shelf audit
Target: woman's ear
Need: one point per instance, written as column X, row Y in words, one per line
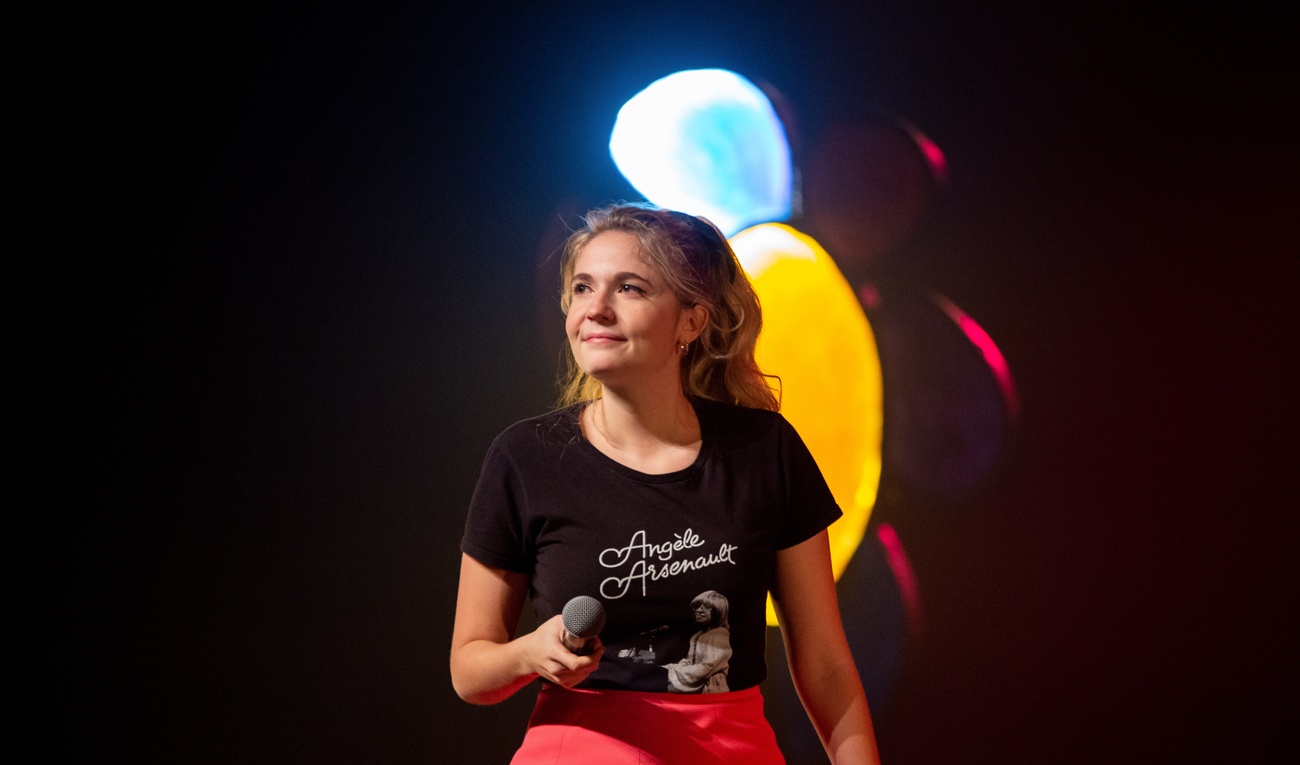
column 694, row 320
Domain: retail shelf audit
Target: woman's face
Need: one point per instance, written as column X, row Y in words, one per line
column 703, row 614
column 624, row 323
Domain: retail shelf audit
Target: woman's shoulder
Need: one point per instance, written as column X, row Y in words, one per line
column 558, row 427
column 732, row 421
column 723, row 411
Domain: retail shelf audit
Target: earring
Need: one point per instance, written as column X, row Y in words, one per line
column 683, row 347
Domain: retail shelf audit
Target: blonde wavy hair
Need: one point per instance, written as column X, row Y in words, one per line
column 700, row 267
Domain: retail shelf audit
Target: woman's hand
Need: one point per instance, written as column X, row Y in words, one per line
column 552, row 661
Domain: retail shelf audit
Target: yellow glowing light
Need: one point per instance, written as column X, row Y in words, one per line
column 816, row 338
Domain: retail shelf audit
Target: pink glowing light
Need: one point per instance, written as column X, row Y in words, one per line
column 992, row 356
column 933, row 154
column 896, row 557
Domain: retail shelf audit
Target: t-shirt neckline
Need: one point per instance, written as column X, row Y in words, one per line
column 590, row 449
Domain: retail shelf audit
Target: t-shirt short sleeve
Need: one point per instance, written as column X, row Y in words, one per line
column 810, row 504
column 495, row 528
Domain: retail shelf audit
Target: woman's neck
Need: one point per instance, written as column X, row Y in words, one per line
column 649, row 433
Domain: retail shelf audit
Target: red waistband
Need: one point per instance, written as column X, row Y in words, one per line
column 609, row 696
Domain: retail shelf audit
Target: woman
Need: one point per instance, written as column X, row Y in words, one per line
column 665, row 471
column 704, row 670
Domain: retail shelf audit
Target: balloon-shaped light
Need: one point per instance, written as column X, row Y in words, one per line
column 707, row 142
column 817, row 340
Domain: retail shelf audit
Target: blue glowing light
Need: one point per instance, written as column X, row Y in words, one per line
column 707, row 142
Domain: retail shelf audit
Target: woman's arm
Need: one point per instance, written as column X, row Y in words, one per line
column 821, row 664
column 488, row 664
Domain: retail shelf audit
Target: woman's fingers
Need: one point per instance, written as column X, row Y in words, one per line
column 557, row 663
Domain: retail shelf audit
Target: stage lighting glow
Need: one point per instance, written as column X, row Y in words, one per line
column 896, row 557
column 816, row 338
column 933, row 154
column 707, row 142
column 989, row 350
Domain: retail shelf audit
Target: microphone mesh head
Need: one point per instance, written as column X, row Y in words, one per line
column 584, row 616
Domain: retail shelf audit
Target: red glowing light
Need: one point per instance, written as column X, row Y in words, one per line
column 933, row 154
column 908, row 589
column 992, row 356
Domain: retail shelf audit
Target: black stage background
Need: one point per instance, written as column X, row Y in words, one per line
column 312, row 302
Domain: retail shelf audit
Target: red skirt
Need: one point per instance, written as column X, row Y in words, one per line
column 615, row 727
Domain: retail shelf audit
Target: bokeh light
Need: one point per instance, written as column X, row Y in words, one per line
column 706, row 142
column 817, row 340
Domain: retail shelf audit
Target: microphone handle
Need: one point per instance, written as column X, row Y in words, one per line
column 578, row 646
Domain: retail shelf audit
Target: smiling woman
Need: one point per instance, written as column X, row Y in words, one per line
column 624, row 324
column 692, row 259
column 667, row 435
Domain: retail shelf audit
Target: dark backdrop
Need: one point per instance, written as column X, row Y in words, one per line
column 312, row 300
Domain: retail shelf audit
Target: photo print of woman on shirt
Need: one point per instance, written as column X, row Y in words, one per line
column 704, row 670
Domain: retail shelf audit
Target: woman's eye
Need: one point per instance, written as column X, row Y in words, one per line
column 580, row 288
column 630, row 288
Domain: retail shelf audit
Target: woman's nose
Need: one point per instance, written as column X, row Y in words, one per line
column 599, row 306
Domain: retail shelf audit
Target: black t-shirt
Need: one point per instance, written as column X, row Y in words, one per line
column 681, row 561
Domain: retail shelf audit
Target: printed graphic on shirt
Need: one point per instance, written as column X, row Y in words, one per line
column 642, row 561
column 704, row 667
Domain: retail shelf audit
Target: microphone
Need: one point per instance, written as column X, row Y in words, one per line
column 584, row 618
